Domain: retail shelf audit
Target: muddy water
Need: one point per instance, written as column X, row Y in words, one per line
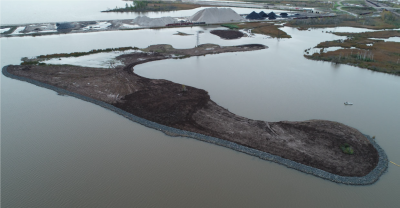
column 63, row 152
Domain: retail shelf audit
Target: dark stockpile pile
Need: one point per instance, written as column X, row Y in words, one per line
column 284, row 14
column 227, row 34
column 254, row 15
column 272, row 15
column 263, row 14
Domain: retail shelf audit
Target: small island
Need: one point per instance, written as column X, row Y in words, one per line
column 325, row 149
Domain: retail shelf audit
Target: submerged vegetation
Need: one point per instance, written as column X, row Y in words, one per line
column 390, row 18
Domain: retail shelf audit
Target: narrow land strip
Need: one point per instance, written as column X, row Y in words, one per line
column 311, row 146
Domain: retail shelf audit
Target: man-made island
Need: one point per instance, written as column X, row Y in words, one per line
column 326, row 149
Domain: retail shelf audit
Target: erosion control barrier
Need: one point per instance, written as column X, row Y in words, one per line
column 370, row 178
column 394, row 163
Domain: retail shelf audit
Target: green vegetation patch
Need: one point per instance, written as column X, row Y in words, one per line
column 390, row 18
column 360, row 9
column 376, row 55
column 347, row 149
column 30, row 63
column 36, row 61
column 230, row 26
column 77, row 54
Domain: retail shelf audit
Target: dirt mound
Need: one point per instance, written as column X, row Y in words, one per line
column 284, row 14
column 272, row 15
column 227, row 34
column 315, row 143
column 153, row 22
column 254, row 16
column 216, row 15
column 263, row 14
column 165, row 102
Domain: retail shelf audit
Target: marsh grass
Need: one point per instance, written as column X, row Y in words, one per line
column 36, row 60
column 381, row 56
column 265, row 28
column 78, row 54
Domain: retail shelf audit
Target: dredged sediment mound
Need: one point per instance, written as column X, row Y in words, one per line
column 310, row 146
column 227, row 34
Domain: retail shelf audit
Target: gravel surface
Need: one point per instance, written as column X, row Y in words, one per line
column 153, row 22
column 216, row 15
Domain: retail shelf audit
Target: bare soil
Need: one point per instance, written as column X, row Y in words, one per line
column 314, row 143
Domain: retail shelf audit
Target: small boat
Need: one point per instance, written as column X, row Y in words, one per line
column 348, row 103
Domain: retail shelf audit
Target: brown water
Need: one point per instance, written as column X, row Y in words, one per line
column 63, row 152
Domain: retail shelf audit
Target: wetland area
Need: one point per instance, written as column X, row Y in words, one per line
column 59, row 150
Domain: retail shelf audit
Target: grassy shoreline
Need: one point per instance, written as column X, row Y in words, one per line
column 38, row 59
column 361, row 51
column 264, row 28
